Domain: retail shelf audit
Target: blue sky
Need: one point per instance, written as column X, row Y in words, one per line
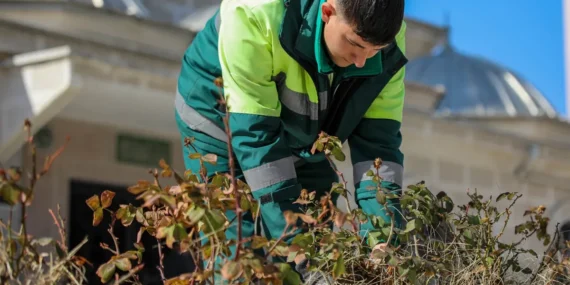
column 508, row 32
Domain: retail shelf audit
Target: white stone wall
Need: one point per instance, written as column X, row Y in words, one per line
column 90, row 156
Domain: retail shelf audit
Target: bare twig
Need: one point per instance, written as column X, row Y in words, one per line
column 234, row 185
column 111, row 232
column 160, row 266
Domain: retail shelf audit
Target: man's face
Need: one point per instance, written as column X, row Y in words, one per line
column 344, row 46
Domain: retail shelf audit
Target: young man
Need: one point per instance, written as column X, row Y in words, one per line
column 291, row 69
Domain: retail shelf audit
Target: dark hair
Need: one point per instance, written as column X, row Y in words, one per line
column 376, row 21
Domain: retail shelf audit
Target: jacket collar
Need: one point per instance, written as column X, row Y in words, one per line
column 301, row 36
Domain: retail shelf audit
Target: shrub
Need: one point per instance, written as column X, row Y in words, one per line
column 437, row 245
column 23, row 258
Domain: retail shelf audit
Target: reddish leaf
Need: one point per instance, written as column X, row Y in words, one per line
column 162, row 163
column 307, row 219
column 290, row 217
column 166, row 173
column 340, row 219
column 139, row 188
column 107, row 198
column 15, row 174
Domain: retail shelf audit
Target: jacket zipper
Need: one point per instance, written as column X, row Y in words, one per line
column 334, row 112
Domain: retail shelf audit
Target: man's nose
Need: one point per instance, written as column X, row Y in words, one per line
column 360, row 59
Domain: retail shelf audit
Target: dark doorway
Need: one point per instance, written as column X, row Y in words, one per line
column 80, row 226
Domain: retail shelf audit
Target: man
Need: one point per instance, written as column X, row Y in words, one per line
column 291, row 69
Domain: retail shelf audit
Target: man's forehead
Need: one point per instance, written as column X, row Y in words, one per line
column 357, row 40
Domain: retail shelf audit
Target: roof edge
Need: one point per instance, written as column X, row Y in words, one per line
column 91, row 8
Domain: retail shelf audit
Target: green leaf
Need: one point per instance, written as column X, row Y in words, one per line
column 339, row 268
column 381, row 197
column 97, row 217
column 179, row 232
column 230, row 270
column 502, row 196
column 467, row 234
column 374, row 238
column 126, row 213
column 43, row 241
column 106, row 271
column 410, row 226
column 195, row 156
column 533, row 253
column 289, row 276
column 474, row 220
column 338, row 154
column 393, row 261
column 319, row 146
column 280, row 250
column 412, row 275
column 10, row 194
column 93, row 202
column 214, row 221
column 218, row 181
column 195, row 214
column 123, row 264
column 168, row 233
column 258, row 242
column 489, row 261
column 339, row 189
column 291, row 256
column 168, row 200
column 303, row 240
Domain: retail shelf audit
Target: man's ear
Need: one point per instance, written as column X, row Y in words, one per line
column 328, row 10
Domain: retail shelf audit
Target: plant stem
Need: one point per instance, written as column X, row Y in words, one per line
column 160, row 267
column 115, row 239
column 234, row 184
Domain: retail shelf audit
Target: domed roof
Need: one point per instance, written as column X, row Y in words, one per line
column 476, row 87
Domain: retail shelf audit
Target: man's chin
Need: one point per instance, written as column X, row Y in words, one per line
column 342, row 63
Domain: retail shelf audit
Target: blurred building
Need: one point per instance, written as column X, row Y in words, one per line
column 104, row 73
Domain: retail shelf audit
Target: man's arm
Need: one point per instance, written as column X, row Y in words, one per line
column 245, row 51
column 378, row 136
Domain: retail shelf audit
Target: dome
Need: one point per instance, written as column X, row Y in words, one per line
column 476, row 87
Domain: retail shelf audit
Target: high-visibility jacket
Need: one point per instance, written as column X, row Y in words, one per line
column 277, row 83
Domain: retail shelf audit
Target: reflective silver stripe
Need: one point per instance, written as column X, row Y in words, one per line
column 196, row 121
column 299, row 102
column 323, row 100
column 389, row 171
column 270, row 173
